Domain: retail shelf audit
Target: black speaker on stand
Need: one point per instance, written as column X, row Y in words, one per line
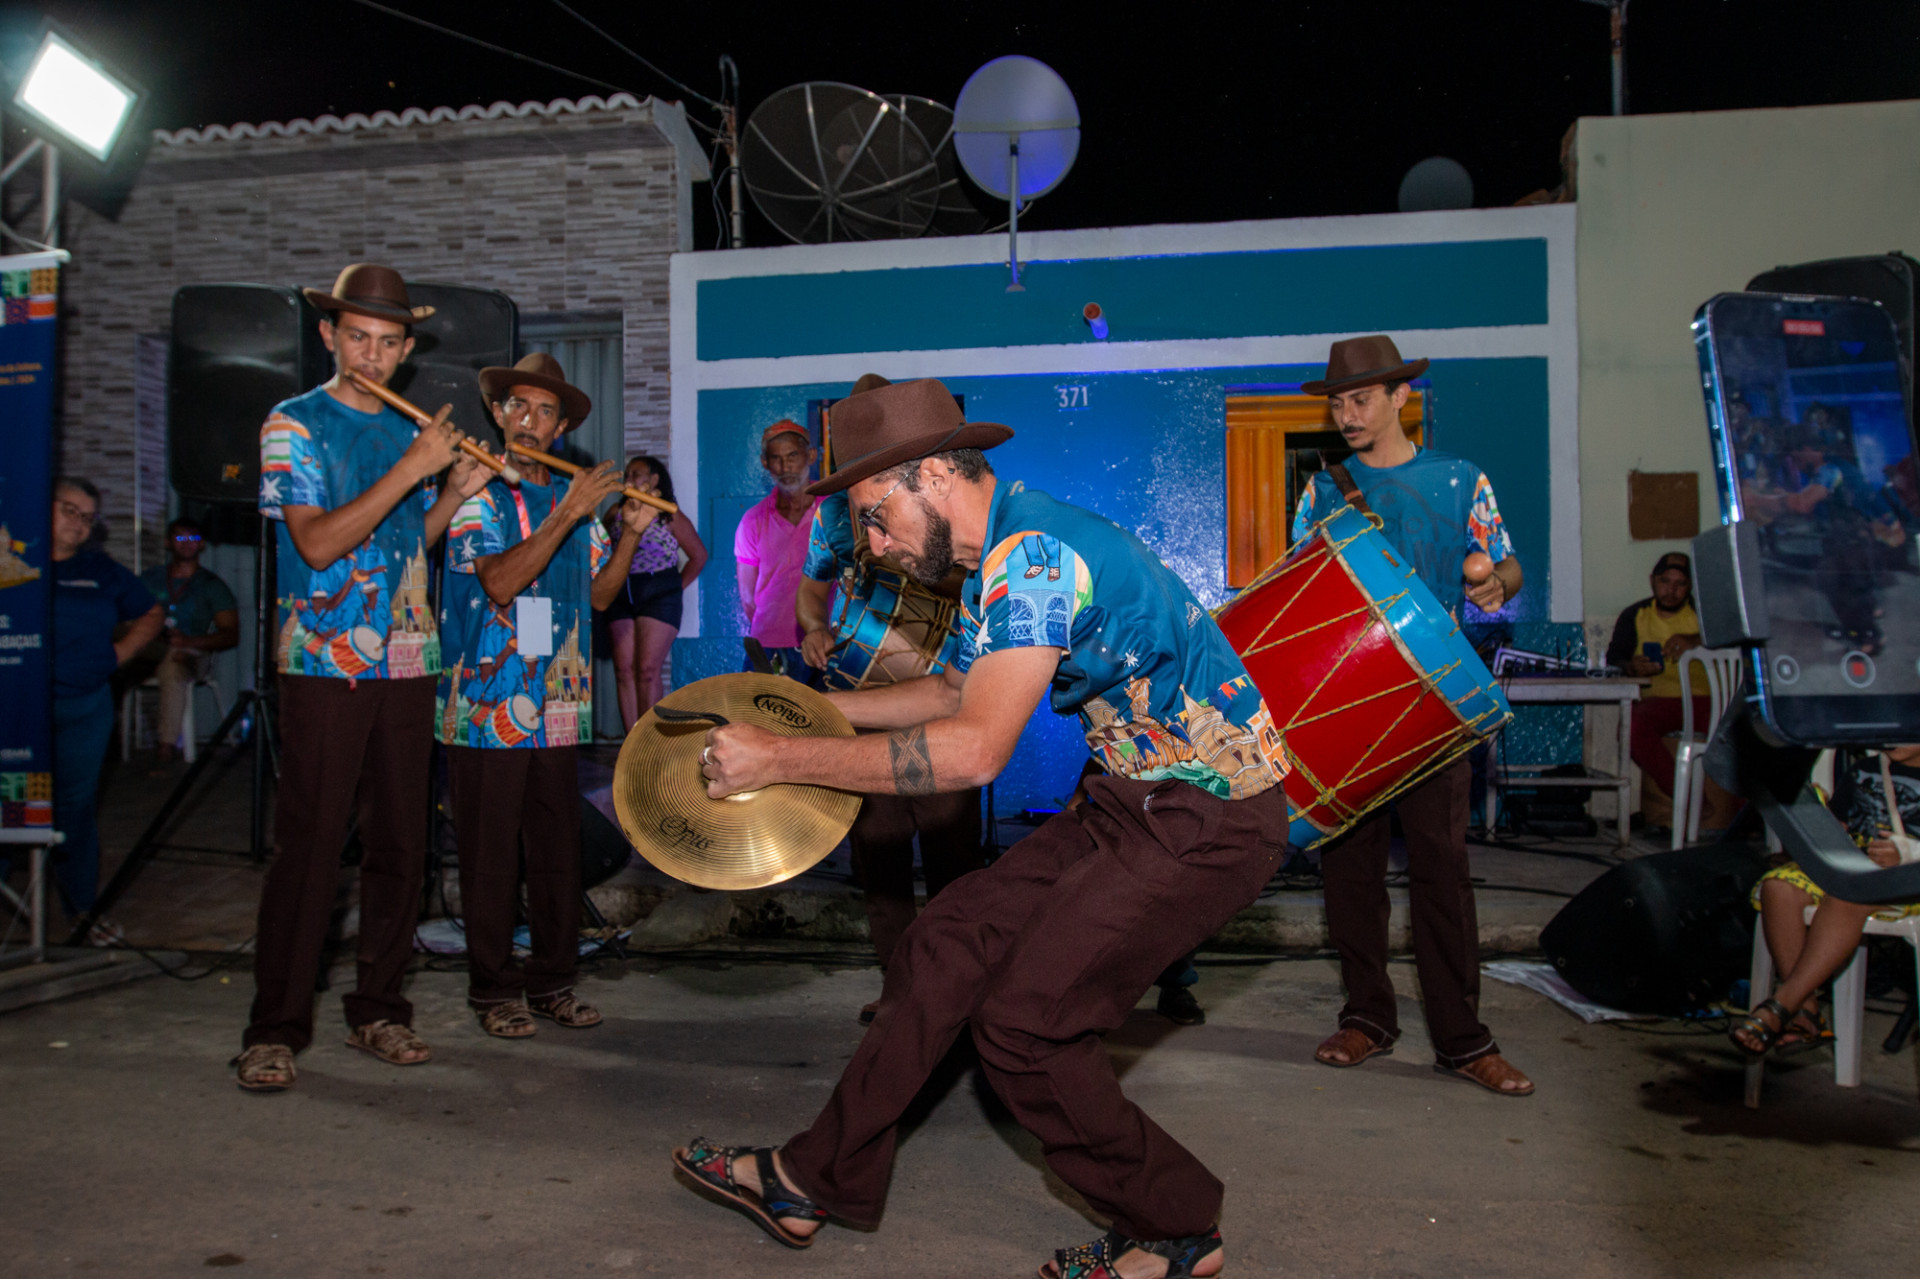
column 236, row 351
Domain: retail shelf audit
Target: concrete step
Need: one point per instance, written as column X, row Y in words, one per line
column 73, row 971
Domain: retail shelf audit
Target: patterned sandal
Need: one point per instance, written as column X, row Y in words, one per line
column 391, row 1042
column 1100, row 1259
column 265, row 1068
column 711, row 1168
column 565, row 1008
column 506, row 1019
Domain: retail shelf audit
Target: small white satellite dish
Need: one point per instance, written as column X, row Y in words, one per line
column 1436, row 183
column 1016, row 129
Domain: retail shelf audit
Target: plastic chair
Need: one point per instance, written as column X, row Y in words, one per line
column 1849, row 999
column 130, row 717
column 1722, row 668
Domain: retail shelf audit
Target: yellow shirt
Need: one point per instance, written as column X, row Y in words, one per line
column 1651, row 626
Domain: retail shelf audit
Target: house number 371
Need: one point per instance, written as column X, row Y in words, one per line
column 1071, row 397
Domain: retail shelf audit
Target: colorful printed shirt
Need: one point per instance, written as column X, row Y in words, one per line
column 1435, row 509
column 777, row 550
column 491, row 694
column 1159, row 691
column 366, row 615
column 831, row 551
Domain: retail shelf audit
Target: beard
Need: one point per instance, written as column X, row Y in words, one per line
column 935, row 560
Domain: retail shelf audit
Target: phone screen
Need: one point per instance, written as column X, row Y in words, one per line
column 1814, row 448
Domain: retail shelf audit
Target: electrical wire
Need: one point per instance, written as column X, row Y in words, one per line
column 492, row 48
column 681, row 85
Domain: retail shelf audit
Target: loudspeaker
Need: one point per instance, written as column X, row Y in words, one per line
column 1887, row 278
column 468, row 330
column 1667, row 933
column 237, row 350
column 603, row 849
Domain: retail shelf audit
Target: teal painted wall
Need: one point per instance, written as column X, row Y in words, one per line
column 1148, row 452
column 1219, row 295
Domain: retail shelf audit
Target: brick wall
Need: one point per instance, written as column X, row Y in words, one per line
column 563, row 206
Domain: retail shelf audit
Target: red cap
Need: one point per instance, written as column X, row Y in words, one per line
column 781, row 428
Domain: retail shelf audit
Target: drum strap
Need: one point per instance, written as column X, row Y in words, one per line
column 1348, row 489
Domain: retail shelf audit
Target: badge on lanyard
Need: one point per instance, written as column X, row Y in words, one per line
column 533, row 625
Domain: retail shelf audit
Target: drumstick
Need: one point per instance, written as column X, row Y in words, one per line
column 508, row 472
column 568, row 468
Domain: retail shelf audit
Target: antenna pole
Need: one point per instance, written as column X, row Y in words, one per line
column 1619, row 33
column 1013, row 214
column 730, row 139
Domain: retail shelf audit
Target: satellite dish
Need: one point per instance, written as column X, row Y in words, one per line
column 1016, row 131
column 1436, row 183
column 954, row 213
column 828, row 162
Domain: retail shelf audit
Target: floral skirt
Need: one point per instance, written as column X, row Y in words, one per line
column 1792, row 874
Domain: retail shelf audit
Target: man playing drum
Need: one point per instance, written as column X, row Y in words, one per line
column 1435, row 510
column 1044, row 952
column 948, row 823
column 352, row 489
column 526, row 565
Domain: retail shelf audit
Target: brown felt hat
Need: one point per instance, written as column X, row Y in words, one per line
column 1359, row 362
column 898, row 423
column 543, row 371
column 367, row 288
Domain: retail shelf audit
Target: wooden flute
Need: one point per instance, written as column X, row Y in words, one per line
column 508, row 472
column 568, row 468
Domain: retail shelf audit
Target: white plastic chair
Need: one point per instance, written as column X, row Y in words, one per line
column 1849, row 999
column 130, row 716
column 1722, row 668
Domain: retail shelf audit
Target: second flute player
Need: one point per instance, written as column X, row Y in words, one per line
column 358, row 501
column 526, row 565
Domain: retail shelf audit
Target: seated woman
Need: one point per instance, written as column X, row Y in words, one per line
column 1806, row 954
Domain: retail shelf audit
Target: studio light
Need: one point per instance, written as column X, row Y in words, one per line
column 75, row 97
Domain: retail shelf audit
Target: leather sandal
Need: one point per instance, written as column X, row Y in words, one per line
column 265, row 1068
column 1491, row 1072
column 1351, row 1043
column 566, row 1009
column 1758, row 1036
column 1101, row 1258
column 711, row 1168
column 506, row 1019
column 390, row 1042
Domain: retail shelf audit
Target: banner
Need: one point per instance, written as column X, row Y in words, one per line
column 29, row 308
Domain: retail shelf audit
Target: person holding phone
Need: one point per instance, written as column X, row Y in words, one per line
column 1648, row 638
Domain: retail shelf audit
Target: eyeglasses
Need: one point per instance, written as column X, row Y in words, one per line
column 73, row 512
column 515, row 406
column 186, row 537
column 870, row 518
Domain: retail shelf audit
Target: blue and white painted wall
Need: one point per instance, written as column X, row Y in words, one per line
column 1134, row 426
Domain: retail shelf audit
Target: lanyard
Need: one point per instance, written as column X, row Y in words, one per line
column 526, row 530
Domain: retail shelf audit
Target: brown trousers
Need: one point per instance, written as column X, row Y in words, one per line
column 882, row 840
column 506, row 802
column 1040, row 955
column 368, row 742
column 1446, row 930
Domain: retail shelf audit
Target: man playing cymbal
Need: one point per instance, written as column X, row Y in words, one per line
column 526, row 565
column 353, row 490
column 1047, row 950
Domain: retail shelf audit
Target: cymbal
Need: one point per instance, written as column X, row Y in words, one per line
column 743, row 841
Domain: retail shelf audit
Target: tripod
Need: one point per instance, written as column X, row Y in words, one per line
column 265, row 758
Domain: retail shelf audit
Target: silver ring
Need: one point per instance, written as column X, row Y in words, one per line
column 706, row 755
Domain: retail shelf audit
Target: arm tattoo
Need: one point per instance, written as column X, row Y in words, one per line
column 912, row 764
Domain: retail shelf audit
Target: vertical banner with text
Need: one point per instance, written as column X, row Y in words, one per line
column 29, row 296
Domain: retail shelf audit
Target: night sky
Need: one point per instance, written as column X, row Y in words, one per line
column 1283, row 109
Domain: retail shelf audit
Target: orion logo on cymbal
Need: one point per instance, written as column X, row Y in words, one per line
column 677, row 830
column 783, row 710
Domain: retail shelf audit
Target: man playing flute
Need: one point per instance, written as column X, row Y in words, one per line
column 353, row 491
column 526, row 566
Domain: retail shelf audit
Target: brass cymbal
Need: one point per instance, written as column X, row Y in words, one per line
column 743, row 841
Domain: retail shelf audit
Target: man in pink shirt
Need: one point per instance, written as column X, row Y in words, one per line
column 770, row 548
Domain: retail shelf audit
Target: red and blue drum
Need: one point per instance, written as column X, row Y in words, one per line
column 1370, row 680
column 357, row 650
column 514, row 720
column 895, row 631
